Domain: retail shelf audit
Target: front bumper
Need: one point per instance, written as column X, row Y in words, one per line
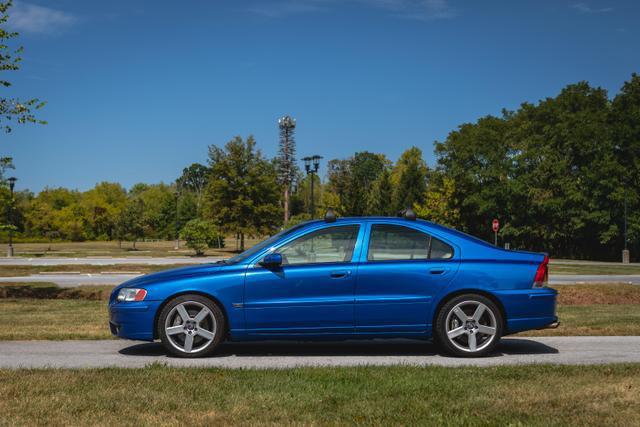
column 133, row 320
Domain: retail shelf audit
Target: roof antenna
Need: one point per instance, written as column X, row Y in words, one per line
column 330, row 216
column 408, row 213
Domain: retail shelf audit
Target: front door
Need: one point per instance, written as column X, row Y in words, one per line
column 313, row 290
column 401, row 271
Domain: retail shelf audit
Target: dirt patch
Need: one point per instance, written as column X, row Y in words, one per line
column 52, row 291
column 598, row 294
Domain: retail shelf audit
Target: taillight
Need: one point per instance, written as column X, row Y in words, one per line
column 542, row 274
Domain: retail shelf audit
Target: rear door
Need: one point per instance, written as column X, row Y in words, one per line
column 401, row 269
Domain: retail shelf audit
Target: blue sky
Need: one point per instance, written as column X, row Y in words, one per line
column 137, row 90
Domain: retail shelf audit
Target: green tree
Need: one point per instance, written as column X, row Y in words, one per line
column 243, row 195
column 439, row 204
column 301, row 198
column 352, row 180
column 194, row 180
column 476, row 160
column 103, row 204
column 13, row 109
column 159, row 211
column 565, row 176
column 338, row 185
column 381, row 196
column 410, row 177
column 131, row 224
column 625, row 122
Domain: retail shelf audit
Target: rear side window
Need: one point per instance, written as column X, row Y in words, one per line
column 440, row 250
column 395, row 242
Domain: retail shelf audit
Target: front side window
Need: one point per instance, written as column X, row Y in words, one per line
column 395, row 242
column 332, row 244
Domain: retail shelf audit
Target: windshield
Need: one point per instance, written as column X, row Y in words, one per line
column 262, row 245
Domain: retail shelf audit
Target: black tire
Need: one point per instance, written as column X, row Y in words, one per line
column 216, row 325
column 461, row 346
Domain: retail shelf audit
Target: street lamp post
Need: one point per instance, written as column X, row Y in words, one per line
column 625, row 251
column 12, row 184
column 311, row 171
column 177, row 218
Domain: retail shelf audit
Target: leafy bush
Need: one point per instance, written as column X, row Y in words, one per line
column 201, row 235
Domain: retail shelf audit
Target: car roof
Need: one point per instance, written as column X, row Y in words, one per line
column 400, row 221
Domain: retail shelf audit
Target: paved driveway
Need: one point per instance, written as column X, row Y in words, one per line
column 512, row 351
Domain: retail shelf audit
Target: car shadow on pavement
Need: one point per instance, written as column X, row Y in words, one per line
column 377, row 347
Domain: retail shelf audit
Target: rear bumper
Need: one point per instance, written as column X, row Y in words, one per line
column 529, row 309
column 133, row 320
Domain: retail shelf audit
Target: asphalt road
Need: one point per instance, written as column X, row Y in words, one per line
column 131, row 354
column 74, row 280
column 106, row 260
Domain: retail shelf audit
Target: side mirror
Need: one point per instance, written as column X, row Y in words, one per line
column 272, row 260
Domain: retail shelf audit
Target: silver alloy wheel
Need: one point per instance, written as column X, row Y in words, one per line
column 190, row 327
column 471, row 326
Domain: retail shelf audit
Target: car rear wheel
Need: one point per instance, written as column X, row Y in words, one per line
column 469, row 325
column 191, row 326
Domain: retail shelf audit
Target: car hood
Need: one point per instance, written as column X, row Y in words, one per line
column 173, row 274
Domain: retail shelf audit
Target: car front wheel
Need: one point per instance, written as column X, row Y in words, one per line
column 469, row 325
column 191, row 326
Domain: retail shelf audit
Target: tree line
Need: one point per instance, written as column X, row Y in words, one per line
column 557, row 174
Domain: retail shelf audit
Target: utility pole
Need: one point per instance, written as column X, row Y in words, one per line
column 286, row 159
column 12, row 183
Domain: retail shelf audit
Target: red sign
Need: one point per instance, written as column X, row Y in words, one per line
column 495, row 225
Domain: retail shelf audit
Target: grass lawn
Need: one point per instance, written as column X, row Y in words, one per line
column 53, row 319
column 583, row 310
column 594, row 319
column 523, row 395
column 584, row 268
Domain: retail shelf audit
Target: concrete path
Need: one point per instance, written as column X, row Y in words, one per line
column 569, row 279
column 512, row 351
column 106, row 260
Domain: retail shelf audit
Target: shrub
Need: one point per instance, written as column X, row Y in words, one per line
column 200, row 235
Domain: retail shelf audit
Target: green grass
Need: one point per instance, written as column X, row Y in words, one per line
column 524, row 395
column 597, row 319
column 53, row 319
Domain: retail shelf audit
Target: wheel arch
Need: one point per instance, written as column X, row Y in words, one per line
column 446, row 298
column 215, row 300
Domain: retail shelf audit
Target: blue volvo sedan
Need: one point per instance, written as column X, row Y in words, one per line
column 347, row 278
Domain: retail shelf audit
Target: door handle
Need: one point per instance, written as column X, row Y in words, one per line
column 340, row 273
column 437, row 270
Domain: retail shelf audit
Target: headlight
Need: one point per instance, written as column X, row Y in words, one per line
column 131, row 294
